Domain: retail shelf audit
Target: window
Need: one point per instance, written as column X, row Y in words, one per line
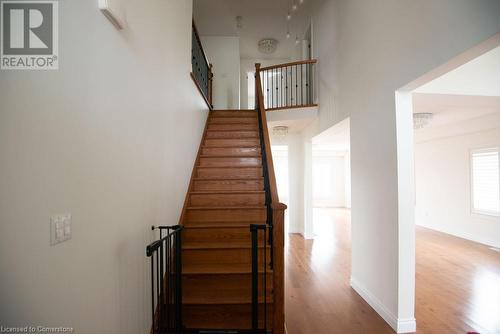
column 486, row 181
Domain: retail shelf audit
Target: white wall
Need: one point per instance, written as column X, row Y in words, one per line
column 329, row 180
column 223, row 53
column 443, row 187
column 366, row 51
column 110, row 137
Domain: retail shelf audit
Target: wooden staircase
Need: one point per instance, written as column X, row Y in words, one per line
column 226, row 194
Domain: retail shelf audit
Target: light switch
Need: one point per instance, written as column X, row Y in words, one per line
column 60, row 228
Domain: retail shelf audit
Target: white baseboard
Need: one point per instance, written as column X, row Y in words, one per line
column 407, row 325
column 399, row 325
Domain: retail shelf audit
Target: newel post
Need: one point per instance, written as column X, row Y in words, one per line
column 257, row 75
column 279, row 267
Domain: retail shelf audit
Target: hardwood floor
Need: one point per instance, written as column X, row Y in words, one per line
column 457, row 285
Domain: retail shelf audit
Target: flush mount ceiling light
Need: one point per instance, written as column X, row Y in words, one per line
column 280, row 131
column 421, row 119
column 268, row 45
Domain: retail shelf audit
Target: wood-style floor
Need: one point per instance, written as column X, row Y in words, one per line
column 457, row 284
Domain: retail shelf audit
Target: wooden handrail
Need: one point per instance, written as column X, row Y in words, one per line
column 267, row 142
column 301, row 62
column 278, row 216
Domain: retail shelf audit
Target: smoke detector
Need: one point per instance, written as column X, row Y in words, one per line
column 268, row 45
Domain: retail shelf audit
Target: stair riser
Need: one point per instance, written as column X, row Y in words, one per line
column 231, row 143
column 209, row 236
column 232, row 134
column 223, row 316
column 227, row 256
column 227, row 113
column 233, row 120
column 226, row 162
column 231, row 151
column 235, row 185
column 229, row 172
column 227, row 200
column 233, row 287
column 233, row 127
column 225, row 215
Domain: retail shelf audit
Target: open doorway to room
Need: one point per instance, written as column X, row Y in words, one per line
column 280, row 161
column 331, row 180
column 456, row 143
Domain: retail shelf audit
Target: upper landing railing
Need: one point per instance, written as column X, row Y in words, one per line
column 201, row 69
column 289, row 85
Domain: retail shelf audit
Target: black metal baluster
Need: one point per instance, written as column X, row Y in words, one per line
column 255, row 279
column 158, row 288
column 152, row 294
column 169, row 282
column 178, row 263
column 296, row 86
column 301, row 85
column 265, row 280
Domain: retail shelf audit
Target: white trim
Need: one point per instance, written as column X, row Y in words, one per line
column 407, row 326
column 399, row 325
column 110, row 14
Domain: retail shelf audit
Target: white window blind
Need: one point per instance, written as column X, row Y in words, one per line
column 486, row 181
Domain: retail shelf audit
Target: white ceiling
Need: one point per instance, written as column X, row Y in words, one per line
column 336, row 138
column 480, row 76
column 456, row 114
column 261, row 19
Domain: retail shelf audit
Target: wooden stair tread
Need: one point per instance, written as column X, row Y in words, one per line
column 239, row 146
column 231, row 130
column 220, row 245
column 231, row 192
column 225, row 167
column 219, row 269
column 231, row 179
column 231, row 156
column 217, row 225
column 226, row 207
column 225, row 300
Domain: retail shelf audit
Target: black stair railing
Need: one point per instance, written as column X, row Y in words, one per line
column 201, row 69
column 166, row 283
column 260, row 323
column 288, row 85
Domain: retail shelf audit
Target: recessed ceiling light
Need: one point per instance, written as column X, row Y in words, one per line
column 294, row 7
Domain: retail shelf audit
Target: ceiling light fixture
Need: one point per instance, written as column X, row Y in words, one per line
column 294, row 7
column 421, row 119
column 288, row 34
column 280, row 131
column 268, row 45
column 288, row 16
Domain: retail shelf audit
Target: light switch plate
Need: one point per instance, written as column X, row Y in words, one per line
column 60, row 228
